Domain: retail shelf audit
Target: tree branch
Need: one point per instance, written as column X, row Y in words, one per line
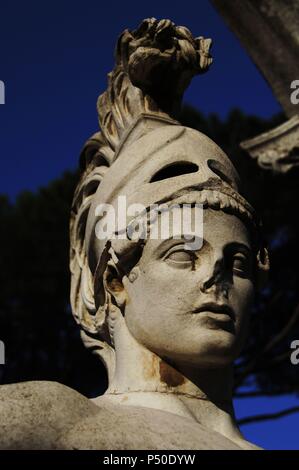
column 284, row 331
column 261, row 393
column 250, row 368
column 264, row 417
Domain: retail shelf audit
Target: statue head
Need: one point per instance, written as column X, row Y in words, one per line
column 186, row 302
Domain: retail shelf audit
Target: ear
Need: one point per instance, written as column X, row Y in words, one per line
column 263, row 265
column 113, row 284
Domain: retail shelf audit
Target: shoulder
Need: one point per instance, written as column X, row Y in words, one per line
column 35, row 414
column 121, row 427
column 49, row 415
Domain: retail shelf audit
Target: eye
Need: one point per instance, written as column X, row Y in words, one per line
column 241, row 264
column 181, row 258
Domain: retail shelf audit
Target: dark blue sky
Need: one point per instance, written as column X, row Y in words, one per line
column 54, row 57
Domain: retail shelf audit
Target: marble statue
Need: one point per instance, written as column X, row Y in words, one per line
column 167, row 321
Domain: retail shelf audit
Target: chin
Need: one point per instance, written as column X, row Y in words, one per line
column 213, row 352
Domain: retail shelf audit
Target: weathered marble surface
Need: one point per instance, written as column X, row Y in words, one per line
column 277, row 149
column 48, row 415
column 269, row 31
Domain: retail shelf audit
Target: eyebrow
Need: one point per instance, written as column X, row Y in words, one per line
column 162, row 248
column 169, row 242
column 239, row 246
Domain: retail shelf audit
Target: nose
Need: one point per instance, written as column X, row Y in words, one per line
column 218, row 282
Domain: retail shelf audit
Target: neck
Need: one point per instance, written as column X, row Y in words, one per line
column 142, row 378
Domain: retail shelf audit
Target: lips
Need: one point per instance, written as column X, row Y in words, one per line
column 216, row 308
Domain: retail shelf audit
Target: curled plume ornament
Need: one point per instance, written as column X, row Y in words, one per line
column 154, row 66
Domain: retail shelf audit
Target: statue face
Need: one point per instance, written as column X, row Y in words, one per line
column 191, row 307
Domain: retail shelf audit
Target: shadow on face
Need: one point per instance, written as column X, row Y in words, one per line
column 191, row 306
